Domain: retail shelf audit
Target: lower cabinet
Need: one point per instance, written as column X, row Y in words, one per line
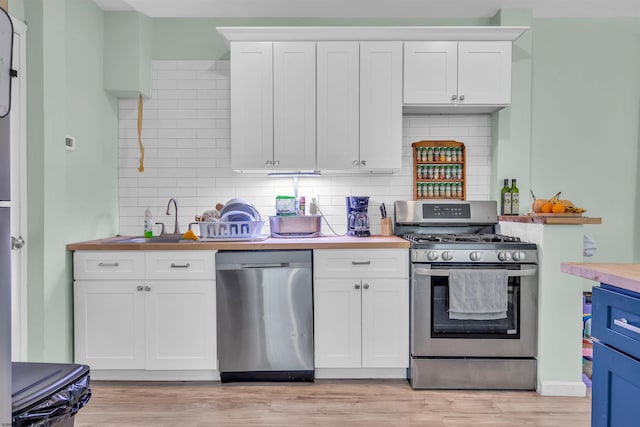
column 616, row 357
column 145, row 323
column 361, row 320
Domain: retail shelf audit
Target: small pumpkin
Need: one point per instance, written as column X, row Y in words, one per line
column 557, row 208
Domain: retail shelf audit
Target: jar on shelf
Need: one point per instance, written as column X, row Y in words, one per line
column 447, row 172
column 429, row 190
column 429, row 154
column 447, row 155
column 459, row 172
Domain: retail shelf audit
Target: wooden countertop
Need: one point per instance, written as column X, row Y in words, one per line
column 625, row 276
column 322, row 242
column 551, row 219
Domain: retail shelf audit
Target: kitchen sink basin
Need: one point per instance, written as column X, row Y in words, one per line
column 168, row 238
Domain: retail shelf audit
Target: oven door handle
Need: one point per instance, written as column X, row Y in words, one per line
column 445, row 273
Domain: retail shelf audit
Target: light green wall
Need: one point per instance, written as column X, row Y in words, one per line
column 16, row 9
column 72, row 196
column 585, row 109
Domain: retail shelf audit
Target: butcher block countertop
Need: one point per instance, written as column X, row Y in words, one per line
column 551, row 219
column 625, row 276
column 322, row 242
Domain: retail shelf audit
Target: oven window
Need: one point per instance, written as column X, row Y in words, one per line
column 444, row 327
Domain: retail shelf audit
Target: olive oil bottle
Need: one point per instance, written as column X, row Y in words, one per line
column 505, row 199
column 515, row 198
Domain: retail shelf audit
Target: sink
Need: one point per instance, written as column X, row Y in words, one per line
column 167, row 238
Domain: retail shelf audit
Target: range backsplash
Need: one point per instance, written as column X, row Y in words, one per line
column 186, row 135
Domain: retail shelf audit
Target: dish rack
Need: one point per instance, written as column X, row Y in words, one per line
column 233, row 230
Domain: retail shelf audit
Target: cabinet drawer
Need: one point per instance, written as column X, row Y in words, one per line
column 616, row 320
column 180, row 264
column 104, row 265
column 358, row 263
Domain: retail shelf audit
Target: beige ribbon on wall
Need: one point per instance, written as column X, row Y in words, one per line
column 141, row 167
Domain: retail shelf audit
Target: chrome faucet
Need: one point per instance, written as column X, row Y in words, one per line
column 176, row 230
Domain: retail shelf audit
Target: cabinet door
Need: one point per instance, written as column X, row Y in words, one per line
column 337, row 323
column 484, row 72
column 338, row 102
column 109, row 324
column 385, row 323
column 381, row 105
column 252, row 105
column 430, row 72
column 616, row 388
column 181, row 325
column 294, row 105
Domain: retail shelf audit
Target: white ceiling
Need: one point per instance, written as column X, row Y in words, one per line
column 370, row 8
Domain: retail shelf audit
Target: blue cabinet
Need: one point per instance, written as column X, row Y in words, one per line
column 616, row 358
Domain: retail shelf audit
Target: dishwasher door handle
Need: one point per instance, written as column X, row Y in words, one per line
column 266, row 265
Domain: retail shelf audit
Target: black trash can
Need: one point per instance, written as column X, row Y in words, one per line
column 48, row 394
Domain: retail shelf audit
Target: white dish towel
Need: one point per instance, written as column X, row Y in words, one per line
column 478, row 294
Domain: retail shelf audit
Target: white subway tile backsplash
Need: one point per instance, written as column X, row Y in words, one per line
column 187, row 134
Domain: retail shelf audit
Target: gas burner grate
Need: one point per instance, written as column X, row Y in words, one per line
column 459, row 238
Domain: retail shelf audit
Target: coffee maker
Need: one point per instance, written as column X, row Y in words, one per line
column 357, row 218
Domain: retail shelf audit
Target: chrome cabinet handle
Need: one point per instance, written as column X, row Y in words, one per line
column 454, row 97
column 357, row 286
column 187, row 265
column 267, row 162
column 461, row 97
column 366, row 286
column 355, row 163
column 445, row 273
column 363, row 163
column 360, row 262
column 140, row 288
column 624, row 323
column 108, row 264
column 147, row 288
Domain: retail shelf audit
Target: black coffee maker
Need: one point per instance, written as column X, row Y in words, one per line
column 357, row 218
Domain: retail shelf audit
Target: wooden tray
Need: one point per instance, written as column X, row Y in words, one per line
column 566, row 214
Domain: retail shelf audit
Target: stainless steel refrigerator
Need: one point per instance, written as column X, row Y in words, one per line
column 6, row 42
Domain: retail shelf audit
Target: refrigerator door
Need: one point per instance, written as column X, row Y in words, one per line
column 5, row 161
column 5, row 317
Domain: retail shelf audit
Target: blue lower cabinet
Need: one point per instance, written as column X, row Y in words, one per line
column 616, row 388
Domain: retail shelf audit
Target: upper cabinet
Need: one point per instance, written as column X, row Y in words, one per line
column 273, row 106
column 457, row 74
column 332, row 98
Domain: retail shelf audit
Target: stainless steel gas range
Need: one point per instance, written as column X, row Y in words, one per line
column 474, row 298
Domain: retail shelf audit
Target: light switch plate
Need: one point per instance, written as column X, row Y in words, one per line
column 69, row 143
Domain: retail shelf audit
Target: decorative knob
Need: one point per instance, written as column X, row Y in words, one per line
column 357, row 286
column 432, row 255
column 147, row 288
column 447, row 255
column 454, row 97
column 504, row 256
column 366, row 286
column 268, row 162
column 140, row 288
column 363, row 163
column 355, row 163
column 475, row 256
column 461, row 97
column 277, row 162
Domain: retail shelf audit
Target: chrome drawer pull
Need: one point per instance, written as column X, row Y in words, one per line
column 360, row 262
column 108, row 264
column 187, row 265
column 624, row 323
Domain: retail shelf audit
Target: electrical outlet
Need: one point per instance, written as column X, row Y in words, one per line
column 313, row 205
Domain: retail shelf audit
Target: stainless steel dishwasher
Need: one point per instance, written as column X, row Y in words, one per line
column 265, row 315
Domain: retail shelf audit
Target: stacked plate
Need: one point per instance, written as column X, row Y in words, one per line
column 239, row 210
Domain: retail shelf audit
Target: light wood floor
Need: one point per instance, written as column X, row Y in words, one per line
column 323, row 403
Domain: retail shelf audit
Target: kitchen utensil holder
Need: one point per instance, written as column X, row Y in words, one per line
column 386, row 227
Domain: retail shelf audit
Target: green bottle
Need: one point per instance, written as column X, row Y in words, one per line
column 515, row 198
column 505, row 199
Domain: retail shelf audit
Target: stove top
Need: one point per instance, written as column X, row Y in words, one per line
column 462, row 238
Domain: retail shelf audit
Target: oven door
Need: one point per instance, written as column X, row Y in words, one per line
column 435, row 334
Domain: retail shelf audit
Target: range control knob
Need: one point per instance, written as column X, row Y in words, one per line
column 475, row 256
column 432, row 255
column 504, row 256
column 519, row 256
column 447, row 255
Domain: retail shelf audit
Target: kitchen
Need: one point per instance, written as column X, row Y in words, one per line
column 532, row 140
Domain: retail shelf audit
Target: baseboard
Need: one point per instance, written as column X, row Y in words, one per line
column 362, row 373
column 142, row 375
column 562, row 388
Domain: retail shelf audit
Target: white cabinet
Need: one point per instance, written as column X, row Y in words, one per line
column 471, row 73
column 361, row 314
column 359, row 98
column 273, row 105
column 162, row 319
